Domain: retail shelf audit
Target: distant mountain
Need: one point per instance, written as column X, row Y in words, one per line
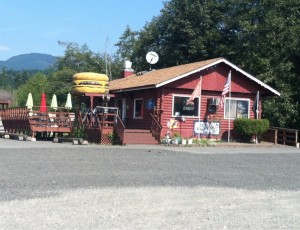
column 33, row 61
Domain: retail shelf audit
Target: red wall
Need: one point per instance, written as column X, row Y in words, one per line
column 146, row 120
column 214, row 79
column 212, row 85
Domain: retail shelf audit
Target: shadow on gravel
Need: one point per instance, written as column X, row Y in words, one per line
column 30, row 173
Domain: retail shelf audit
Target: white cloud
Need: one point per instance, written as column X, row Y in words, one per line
column 4, row 48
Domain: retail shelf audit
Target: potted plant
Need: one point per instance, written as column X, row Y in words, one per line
column 175, row 141
column 176, row 138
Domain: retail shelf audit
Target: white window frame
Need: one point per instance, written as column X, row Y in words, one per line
column 187, row 96
column 123, row 110
column 134, row 108
column 236, row 99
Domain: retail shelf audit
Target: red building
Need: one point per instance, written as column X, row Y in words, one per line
column 157, row 99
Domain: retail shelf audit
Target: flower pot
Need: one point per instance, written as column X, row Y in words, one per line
column 175, row 141
column 184, row 141
column 190, row 141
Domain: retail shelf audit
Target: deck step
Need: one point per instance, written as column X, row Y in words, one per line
column 137, row 131
column 139, row 136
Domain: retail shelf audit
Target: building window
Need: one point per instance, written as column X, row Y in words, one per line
column 181, row 108
column 212, row 104
column 239, row 108
column 138, row 108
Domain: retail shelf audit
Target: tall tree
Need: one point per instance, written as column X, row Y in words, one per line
column 75, row 59
column 79, row 59
column 185, row 31
column 3, row 79
column 126, row 43
column 36, row 85
column 267, row 33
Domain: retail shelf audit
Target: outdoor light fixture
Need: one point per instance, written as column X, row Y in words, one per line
column 105, row 97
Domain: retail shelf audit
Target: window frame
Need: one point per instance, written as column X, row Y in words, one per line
column 235, row 99
column 186, row 96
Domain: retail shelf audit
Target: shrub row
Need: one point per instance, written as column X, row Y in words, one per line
column 245, row 128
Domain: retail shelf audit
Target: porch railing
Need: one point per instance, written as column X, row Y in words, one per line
column 15, row 120
column 155, row 127
column 22, row 120
column 89, row 120
column 120, row 128
column 97, row 118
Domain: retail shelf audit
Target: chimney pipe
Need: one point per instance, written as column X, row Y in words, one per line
column 127, row 69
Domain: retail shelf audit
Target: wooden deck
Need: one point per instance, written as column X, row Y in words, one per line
column 101, row 125
column 22, row 120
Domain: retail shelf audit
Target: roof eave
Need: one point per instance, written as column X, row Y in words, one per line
column 133, row 89
column 252, row 78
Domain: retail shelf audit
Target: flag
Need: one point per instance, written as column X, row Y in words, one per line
column 225, row 91
column 196, row 92
column 255, row 107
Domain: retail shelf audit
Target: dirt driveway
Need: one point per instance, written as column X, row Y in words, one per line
column 62, row 186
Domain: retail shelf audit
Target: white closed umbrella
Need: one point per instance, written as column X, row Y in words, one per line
column 68, row 102
column 54, row 102
column 29, row 102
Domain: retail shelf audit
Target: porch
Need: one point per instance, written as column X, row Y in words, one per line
column 103, row 125
column 30, row 122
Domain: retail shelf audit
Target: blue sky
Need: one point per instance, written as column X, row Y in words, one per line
column 36, row 26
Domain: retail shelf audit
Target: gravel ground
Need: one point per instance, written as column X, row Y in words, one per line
column 62, row 186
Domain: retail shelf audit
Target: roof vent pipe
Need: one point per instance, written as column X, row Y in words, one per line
column 127, row 69
column 127, row 64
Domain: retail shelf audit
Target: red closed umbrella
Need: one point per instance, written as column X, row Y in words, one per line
column 43, row 106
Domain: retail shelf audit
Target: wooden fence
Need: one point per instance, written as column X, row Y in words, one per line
column 282, row 136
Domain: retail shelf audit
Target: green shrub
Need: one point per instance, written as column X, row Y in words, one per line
column 246, row 128
column 114, row 138
column 78, row 132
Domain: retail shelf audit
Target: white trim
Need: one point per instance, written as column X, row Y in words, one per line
column 123, row 101
column 134, row 105
column 187, row 96
column 218, row 62
column 252, row 77
column 236, row 99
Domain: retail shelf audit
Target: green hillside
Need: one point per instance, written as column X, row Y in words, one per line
column 33, row 61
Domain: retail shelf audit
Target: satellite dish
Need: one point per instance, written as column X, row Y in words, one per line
column 152, row 57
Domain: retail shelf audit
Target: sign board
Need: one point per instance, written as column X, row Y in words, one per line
column 207, row 128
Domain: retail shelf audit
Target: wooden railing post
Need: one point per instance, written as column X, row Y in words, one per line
column 120, row 128
column 155, row 127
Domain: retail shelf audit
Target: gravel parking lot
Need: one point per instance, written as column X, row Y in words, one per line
column 63, row 186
